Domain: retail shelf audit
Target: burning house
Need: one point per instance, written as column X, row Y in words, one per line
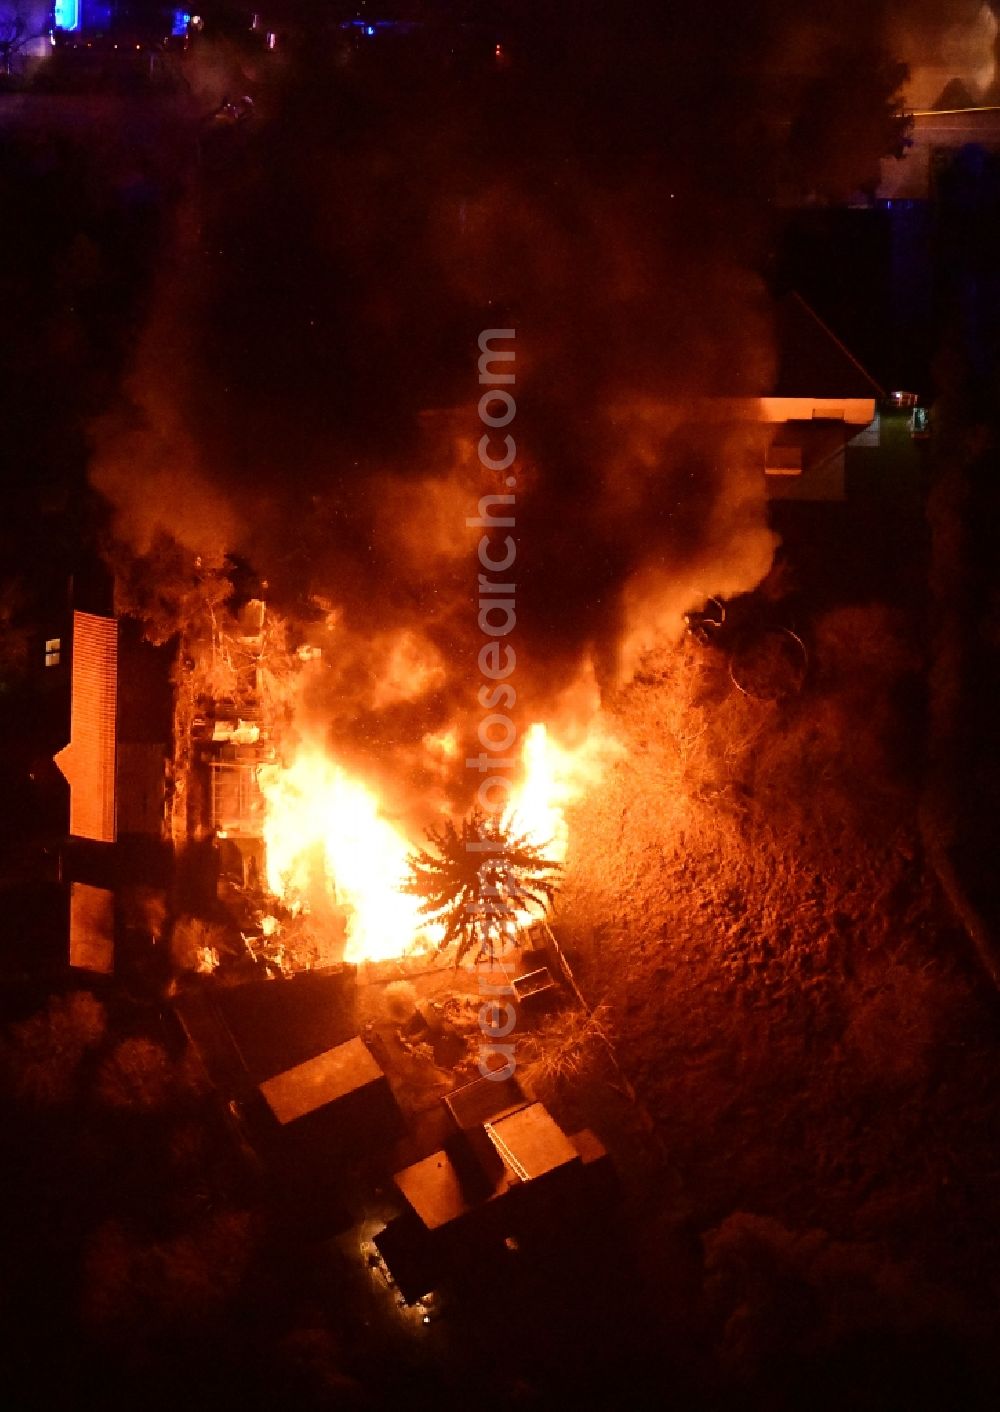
column 206, row 768
column 165, row 746
column 230, row 740
column 305, row 852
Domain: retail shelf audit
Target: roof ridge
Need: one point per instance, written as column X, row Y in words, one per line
column 839, row 342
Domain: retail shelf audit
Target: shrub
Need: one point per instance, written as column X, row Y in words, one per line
column 45, row 1051
column 565, row 1049
column 135, row 1290
column 138, row 1076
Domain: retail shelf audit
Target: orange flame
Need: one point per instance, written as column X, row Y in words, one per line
column 315, row 807
column 555, row 777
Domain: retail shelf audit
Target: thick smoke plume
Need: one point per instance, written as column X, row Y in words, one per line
column 305, row 392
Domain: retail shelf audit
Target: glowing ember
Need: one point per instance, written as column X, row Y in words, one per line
column 328, row 842
column 207, row 960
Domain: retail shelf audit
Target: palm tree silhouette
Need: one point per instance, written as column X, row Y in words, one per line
column 481, row 881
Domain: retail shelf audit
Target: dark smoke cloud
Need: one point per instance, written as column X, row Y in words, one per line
column 943, row 42
column 305, row 393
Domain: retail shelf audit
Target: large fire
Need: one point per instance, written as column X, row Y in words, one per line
column 325, row 831
column 555, row 776
column 329, row 841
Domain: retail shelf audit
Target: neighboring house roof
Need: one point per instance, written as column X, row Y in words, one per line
column 88, row 761
column 91, row 928
column 435, row 1192
column 530, row 1145
column 955, row 94
column 812, row 360
column 481, row 1100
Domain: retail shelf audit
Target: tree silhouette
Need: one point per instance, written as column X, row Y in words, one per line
column 479, row 880
column 846, row 117
column 13, row 37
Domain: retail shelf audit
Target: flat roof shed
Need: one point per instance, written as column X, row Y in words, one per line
column 325, row 1079
column 531, row 1142
column 342, row 1092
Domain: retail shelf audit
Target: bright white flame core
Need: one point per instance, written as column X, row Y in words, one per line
column 314, row 808
column 554, row 777
column 319, row 818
